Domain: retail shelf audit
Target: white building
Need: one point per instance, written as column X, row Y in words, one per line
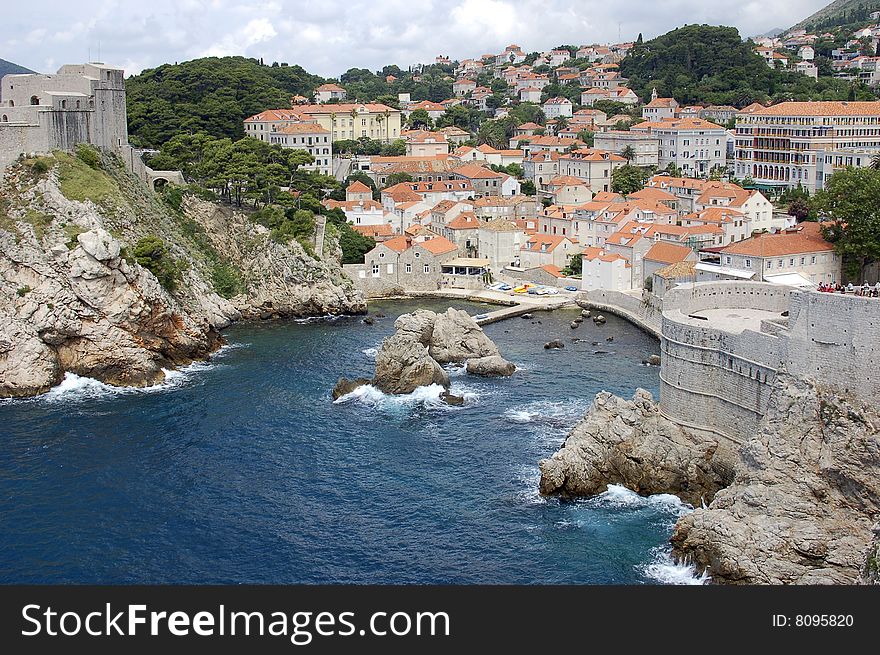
column 556, row 107
column 310, row 137
column 694, row 145
column 601, row 269
column 328, row 92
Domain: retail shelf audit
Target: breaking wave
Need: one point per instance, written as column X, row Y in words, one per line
column 427, row 397
column 665, row 570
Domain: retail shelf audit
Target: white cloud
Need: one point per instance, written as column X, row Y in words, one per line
column 330, row 36
column 256, row 31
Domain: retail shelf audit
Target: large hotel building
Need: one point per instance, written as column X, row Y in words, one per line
column 805, row 142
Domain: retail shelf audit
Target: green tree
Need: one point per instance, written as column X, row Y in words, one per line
column 849, row 203
column 800, row 209
column 629, row 153
column 152, row 253
column 528, row 188
column 574, row 266
column 419, row 118
column 629, row 179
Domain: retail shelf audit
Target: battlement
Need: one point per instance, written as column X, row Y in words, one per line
column 722, row 344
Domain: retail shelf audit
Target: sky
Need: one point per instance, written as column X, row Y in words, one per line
column 327, row 37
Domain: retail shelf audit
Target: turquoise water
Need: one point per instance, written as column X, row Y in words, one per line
column 242, row 470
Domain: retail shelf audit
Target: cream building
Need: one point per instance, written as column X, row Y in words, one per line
column 780, row 145
column 342, row 121
column 310, row 137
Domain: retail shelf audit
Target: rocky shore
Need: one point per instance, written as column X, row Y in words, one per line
column 794, row 505
column 422, row 343
column 73, row 298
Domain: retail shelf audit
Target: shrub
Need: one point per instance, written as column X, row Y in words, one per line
column 226, row 280
column 152, row 253
column 88, row 155
column 23, row 291
column 40, row 167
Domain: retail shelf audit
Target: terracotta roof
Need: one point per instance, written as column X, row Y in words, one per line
column 662, row 102
column 500, row 225
column 464, row 221
column 398, row 244
column 593, row 253
column 359, row 187
column 567, row 180
column 844, row 108
column 375, row 231
column 275, row 115
column 650, row 193
column 676, row 124
column 551, row 241
column 475, row 171
column 352, row 205
column 555, row 271
column 423, row 136
column 678, row 270
column 558, row 101
column 668, row 253
column 607, row 196
column 804, row 238
column 591, row 154
column 718, row 215
column 346, row 108
column 302, row 128
column 438, row 245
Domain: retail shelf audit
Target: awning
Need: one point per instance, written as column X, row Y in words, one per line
column 726, row 271
column 790, row 280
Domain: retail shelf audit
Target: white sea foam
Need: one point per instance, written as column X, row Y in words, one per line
column 77, row 388
column 666, row 570
column 619, row 496
column 428, row 397
column 556, row 413
column 662, row 567
column 370, row 352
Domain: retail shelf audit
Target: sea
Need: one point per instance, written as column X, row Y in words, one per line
column 242, row 469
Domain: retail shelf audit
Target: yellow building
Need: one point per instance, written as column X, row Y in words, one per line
column 342, row 121
column 355, row 120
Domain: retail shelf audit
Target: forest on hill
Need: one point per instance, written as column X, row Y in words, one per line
column 212, row 95
column 712, row 64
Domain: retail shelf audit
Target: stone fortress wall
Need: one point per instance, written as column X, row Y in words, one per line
column 717, row 375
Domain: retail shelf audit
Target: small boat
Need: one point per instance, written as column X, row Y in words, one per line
column 571, row 288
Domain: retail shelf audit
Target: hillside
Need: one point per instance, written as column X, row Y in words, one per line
column 712, row 64
column 8, row 68
column 838, row 13
column 102, row 278
column 214, row 95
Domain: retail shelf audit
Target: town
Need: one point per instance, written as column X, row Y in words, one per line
column 662, row 250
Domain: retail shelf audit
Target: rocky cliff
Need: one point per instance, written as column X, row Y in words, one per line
column 797, row 509
column 74, row 298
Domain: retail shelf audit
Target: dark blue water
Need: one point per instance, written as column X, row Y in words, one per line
column 243, row 470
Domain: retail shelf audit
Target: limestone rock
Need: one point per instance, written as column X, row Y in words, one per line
column 556, row 343
column 403, row 364
column 345, row 386
column 451, row 399
column 492, row 366
column 804, row 500
column 81, row 306
column 457, row 337
column 627, row 442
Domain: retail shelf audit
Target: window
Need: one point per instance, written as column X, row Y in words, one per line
column 381, row 255
column 35, row 100
column 803, row 260
column 427, row 268
column 417, row 255
column 813, row 259
column 408, row 267
column 748, row 263
column 375, row 270
column 791, row 262
column 769, row 264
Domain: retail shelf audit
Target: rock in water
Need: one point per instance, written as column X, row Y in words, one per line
column 404, row 363
column 585, row 313
column 794, row 505
column 457, row 337
column 556, row 343
column 346, row 386
column 368, row 320
column 628, row 442
column 574, row 325
column 653, row 360
column 451, row 399
column 412, row 356
column 492, row 366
